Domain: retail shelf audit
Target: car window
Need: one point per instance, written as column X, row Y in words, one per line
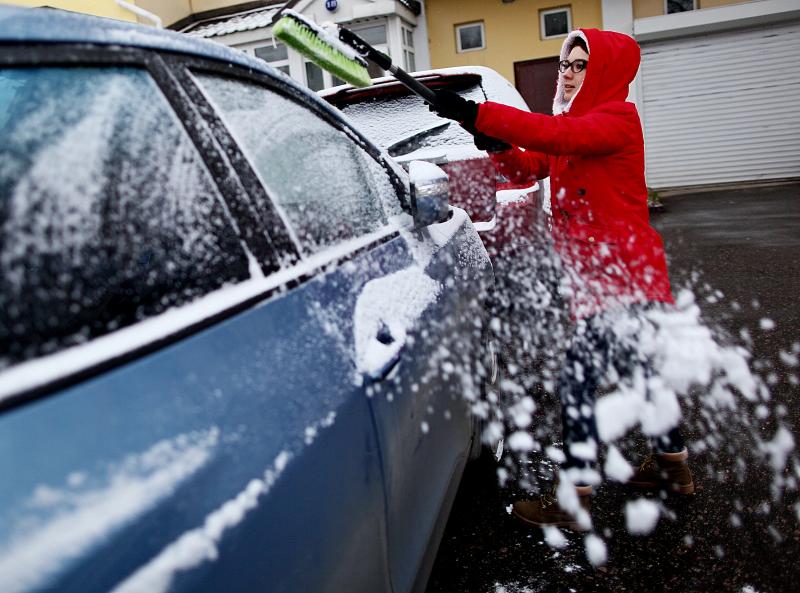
column 107, row 211
column 328, row 188
column 403, row 123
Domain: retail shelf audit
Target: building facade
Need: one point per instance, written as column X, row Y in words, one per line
column 105, row 8
column 396, row 27
column 520, row 39
column 716, row 105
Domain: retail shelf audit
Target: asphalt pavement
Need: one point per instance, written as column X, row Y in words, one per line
column 739, row 252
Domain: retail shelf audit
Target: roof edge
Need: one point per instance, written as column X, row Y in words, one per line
column 215, row 13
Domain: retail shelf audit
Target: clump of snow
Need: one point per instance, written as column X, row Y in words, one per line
column 766, row 324
column 556, row 454
column 586, row 450
column 641, row 516
column 569, row 501
column 596, row 550
column 521, row 441
column 616, row 467
column 554, row 538
column 779, row 448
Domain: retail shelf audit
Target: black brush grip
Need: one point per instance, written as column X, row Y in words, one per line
column 414, row 85
column 385, row 62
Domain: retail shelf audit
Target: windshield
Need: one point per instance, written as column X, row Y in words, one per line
column 403, row 124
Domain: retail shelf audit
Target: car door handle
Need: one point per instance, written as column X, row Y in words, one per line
column 386, row 353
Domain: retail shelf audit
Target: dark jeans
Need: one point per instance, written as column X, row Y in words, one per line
column 594, row 348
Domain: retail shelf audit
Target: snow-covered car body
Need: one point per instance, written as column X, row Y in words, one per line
column 401, row 123
column 222, row 333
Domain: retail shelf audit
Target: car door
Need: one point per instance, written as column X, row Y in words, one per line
column 411, row 321
column 175, row 414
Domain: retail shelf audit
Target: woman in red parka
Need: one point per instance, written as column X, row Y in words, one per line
column 592, row 149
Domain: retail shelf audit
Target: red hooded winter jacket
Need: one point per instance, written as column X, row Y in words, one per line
column 593, row 151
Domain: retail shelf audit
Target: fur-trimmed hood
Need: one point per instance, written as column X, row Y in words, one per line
column 613, row 62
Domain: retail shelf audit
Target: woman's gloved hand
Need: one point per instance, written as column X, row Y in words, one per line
column 451, row 105
column 489, row 144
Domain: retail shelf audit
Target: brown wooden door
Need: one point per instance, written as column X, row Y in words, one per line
column 536, row 82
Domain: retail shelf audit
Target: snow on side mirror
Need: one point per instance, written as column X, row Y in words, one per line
column 430, row 193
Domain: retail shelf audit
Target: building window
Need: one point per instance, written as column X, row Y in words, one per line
column 470, row 37
column 555, row 22
column 375, row 35
column 276, row 56
column 408, row 50
column 314, row 77
column 674, row 6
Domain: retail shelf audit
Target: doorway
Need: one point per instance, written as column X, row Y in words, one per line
column 536, row 82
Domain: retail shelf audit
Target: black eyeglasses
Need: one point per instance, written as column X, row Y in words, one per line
column 576, row 65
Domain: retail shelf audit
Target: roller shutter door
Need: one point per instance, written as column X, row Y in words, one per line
column 723, row 107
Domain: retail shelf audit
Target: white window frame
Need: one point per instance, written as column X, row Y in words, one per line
column 276, row 64
column 409, row 54
column 458, row 36
column 666, row 2
column 568, row 10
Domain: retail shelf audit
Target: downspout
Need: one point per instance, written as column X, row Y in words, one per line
column 145, row 14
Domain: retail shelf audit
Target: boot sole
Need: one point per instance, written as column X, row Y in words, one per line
column 571, row 525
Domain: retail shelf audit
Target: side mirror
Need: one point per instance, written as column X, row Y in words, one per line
column 430, row 193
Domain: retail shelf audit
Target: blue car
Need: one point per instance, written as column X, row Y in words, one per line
column 238, row 344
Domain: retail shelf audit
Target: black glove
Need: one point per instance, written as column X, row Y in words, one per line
column 451, row 105
column 489, row 144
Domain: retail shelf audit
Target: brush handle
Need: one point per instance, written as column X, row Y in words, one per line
column 385, row 62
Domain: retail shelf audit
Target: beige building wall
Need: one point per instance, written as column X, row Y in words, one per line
column 106, row 8
column 170, row 11
column 512, row 30
column 646, row 8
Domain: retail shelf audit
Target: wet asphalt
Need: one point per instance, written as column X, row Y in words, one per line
column 733, row 535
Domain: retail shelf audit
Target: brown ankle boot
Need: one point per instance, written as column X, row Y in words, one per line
column 664, row 471
column 546, row 512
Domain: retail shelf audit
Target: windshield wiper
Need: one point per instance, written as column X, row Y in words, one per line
column 397, row 147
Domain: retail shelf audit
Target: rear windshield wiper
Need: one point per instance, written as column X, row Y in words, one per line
column 401, row 145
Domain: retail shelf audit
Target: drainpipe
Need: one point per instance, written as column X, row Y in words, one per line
column 145, row 14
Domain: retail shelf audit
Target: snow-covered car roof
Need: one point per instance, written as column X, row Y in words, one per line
column 400, row 122
column 496, row 87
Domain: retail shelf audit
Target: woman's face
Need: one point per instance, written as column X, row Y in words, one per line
column 573, row 80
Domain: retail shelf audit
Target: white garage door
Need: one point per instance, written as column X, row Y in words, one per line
column 723, row 107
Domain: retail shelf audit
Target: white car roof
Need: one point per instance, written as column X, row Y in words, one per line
column 497, row 88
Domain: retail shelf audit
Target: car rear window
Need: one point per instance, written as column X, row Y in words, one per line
column 328, row 188
column 402, row 123
column 108, row 213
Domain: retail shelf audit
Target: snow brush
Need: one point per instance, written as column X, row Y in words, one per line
column 322, row 47
column 342, row 53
